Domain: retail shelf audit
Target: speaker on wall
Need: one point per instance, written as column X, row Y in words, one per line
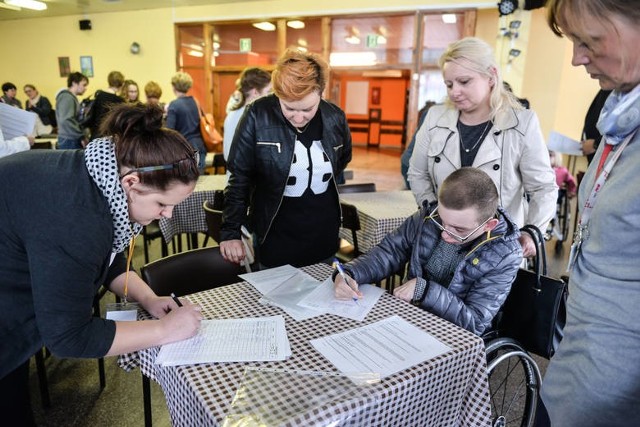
column 85, row 24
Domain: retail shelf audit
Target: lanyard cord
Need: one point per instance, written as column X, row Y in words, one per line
column 132, row 244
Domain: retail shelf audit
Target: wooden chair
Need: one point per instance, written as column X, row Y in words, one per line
column 213, row 215
column 350, row 221
column 182, row 274
column 367, row 187
column 219, row 164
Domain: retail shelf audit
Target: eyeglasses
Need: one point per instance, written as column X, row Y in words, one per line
column 461, row 239
column 183, row 166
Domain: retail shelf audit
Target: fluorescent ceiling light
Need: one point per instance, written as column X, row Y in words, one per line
column 449, row 18
column 265, row 26
column 27, row 4
column 196, row 53
column 352, row 39
column 343, row 59
column 295, row 24
column 6, row 6
column 381, row 40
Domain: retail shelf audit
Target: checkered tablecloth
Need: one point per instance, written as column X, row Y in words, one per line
column 380, row 213
column 448, row 390
column 188, row 216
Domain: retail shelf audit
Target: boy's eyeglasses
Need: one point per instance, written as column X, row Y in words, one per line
column 183, row 166
column 461, row 239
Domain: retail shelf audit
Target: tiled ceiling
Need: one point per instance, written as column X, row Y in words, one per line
column 80, row 7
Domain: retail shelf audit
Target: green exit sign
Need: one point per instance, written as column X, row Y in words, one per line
column 245, row 45
column 372, row 40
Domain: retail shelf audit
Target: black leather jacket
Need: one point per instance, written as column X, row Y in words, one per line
column 481, row 281
column 260, row 159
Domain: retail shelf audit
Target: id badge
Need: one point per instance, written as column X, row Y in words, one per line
column 122, row 311
column 573, row 254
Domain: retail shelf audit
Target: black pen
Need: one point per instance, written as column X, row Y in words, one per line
column 175, row 298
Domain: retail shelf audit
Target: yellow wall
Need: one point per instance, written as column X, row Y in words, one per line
column 558, row 92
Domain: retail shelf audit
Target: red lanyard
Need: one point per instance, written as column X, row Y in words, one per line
column 603, row 158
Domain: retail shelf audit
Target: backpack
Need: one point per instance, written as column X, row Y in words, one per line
column 85, row 111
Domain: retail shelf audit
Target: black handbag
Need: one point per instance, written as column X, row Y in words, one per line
column 535, row 311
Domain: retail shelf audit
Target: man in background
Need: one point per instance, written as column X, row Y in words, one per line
column 70, row 133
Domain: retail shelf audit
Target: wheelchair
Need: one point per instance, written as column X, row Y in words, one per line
column 514, row 382
column 559, row 225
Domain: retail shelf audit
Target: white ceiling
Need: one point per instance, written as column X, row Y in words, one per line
column 81, row 7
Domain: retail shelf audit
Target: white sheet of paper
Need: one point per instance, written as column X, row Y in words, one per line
column 16, row 122
column 290, row 292
column 387, row 346
column 563, row 144
column 230, row 340
column 323, row 298
column 267, row 280
column 122, row 315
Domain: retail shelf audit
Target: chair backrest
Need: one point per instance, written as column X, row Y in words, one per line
column 191, row 271
column 219, row 163
column 367, row 187
column 214, row 220
column 351, row 221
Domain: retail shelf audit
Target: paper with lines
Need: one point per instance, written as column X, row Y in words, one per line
column 230, row 340
column 387, row 346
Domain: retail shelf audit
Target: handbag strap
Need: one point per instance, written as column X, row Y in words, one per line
column 199, row 108
column 540, row 264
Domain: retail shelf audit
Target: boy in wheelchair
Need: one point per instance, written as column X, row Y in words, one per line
column 463, row 254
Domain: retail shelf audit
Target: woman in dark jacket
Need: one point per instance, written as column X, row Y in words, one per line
column 463, row 255
column 287, row 150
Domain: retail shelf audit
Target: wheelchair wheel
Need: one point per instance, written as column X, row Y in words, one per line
column 564, row 217
column 514, row 383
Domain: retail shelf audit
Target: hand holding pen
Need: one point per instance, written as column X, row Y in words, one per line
column 351, row 288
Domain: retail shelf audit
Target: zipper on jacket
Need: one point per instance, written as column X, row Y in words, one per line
column 275, row 144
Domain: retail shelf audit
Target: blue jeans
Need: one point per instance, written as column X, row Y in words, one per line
column 69, row 143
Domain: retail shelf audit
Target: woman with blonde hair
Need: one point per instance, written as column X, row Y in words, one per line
column 286, row 153
column 485, row 126
column 183, row 114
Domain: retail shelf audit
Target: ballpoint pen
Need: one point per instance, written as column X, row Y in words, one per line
column 338, row 267
column 175, row 298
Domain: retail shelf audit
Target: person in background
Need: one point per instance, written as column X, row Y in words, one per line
column 252, row 84
column 15, row 145
column 564, row 179
column 130, row 92
column 594, row 377
column 9, row 91
column 50, row 270
column 464, row 254
column 406, row 156
column 103, row 102
column 485, row 126
column 183, row 114
column 70, row 133
column 153, row 92
column 591, row 136
column 42, row 107
column 286, row 152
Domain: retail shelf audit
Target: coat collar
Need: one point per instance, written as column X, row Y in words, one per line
column 505, row 119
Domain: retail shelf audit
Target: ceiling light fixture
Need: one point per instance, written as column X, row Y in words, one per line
column 264, row 26
column 449, row 18
column 295, row 24
column 6, row 6
column 27, row 4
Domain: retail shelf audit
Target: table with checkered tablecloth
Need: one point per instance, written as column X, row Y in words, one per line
column 448, row 390
column 188, row 215
column 380, row 213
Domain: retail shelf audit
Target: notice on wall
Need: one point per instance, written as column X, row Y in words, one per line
column 357, row 98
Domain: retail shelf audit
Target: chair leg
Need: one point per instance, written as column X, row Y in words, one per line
column 101, row 374
column 146, row 400
column 42, row 379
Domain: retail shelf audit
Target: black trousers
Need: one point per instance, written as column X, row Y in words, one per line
column 15, row 399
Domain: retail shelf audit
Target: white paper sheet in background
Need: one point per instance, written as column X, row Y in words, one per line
column 230, row 340
column 387, row 346
column 16, row 122
column 563, row 144
column 323, row 298
column 290, row 292
column 267, row 280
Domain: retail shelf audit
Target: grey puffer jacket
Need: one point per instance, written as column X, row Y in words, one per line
column 480, row 284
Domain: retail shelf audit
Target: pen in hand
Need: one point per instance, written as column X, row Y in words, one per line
column 338, row 267
column 176, row 300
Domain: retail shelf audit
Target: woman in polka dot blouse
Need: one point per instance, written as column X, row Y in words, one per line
column 66, row 218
